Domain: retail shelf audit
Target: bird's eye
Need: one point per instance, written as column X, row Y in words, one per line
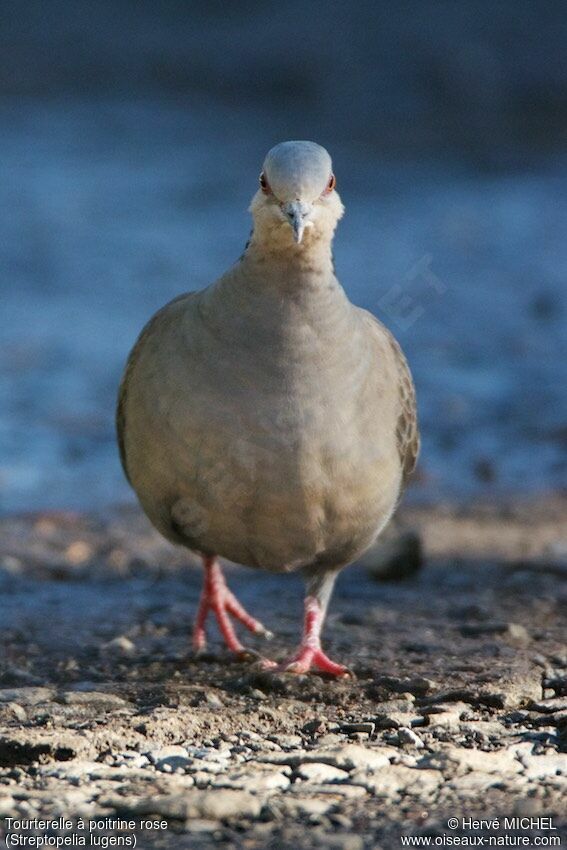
column 264, row 185
column 332, row 183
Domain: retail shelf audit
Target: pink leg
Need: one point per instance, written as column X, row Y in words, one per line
column 310, row 653
column 216, row 597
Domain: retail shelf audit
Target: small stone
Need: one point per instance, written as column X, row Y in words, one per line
column 446, row 715
column 399, row 779
column 344, row 842
column 515, row 631
column 408, row 736
column 7, row 807
column 367, row 728
column 548, row 765
column 26, row 696
column 318, row 772
column 294, row 808
column 120, row 645
column 169, row 758
column 549, row 706
column 200, row 825
column 502, row 762
column 254, row 781
column 78, row 552
column 474, row 782
column 202, row 805
column 18, row 711
column 208, row 754
column 351, row 757
column 286, row 742
column 257, row 694
column 314, row 727
column 131, row 759
column 338, row 789
column 415, row 685
column 213, row 701
column 74, row 771
column 94, row 698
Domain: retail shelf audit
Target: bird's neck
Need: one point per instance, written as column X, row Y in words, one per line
column 272, row 256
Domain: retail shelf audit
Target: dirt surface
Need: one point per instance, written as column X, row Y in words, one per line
column 458, row 707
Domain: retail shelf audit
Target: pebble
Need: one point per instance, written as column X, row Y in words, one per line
column 400, row 778
column 163, row 757
column 26, row 696
column 202, row 805
column 415, row 685
column 343, row 756
column 319, row 772
column 120, row 645
column 503, row 762
column 408, row 736
column 96, row 698
column 549, row 706
column 213, row 701
column 130, row 759
column 365, row 728
column 540, row 767
column 254, row 781
column 289, row 742
column 7, row 807
column 294, row 808
column 336, row 789
column 18, row 711
column 207, row 754
column 446, row 715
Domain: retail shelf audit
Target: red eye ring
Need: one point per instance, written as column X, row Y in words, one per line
column 264, row 185
column 331, row 184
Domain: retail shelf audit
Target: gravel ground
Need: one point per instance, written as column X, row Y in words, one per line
column 458, row 707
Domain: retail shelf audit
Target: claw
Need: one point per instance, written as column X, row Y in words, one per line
column 306, row 658
column 310, row 653
column 217, row 597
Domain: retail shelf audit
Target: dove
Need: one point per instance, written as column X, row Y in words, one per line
column 265, row 419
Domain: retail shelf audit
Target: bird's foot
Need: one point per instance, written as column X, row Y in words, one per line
column 217, row 597
column 304, row 659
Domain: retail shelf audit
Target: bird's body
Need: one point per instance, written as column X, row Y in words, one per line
column 266, row 419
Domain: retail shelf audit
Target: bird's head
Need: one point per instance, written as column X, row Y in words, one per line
column 297, row 200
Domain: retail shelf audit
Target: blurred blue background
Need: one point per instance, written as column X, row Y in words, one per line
column 131, row 137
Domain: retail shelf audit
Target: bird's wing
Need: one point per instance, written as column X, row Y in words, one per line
column 125, row 382
column 407, row 433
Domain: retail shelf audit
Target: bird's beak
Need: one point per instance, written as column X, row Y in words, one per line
column 297, row 213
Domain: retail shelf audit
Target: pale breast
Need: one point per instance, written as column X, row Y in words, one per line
column 279, row 460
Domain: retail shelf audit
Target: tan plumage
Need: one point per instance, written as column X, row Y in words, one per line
column 266, row 419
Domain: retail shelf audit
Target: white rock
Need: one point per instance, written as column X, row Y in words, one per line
column 408, row 736
column 321, row 773
column 474, row 782
column 548, row 765
column 208, row 753
column 172, row 751
column 456, row 759
column 337, row 789
column 255, row 782
column 204, row 805
column 310, row 806
column 120, row 645
column 352, row 757
column 399, row 778
column 7, row 807
column 26, row 696
column 129, row 758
